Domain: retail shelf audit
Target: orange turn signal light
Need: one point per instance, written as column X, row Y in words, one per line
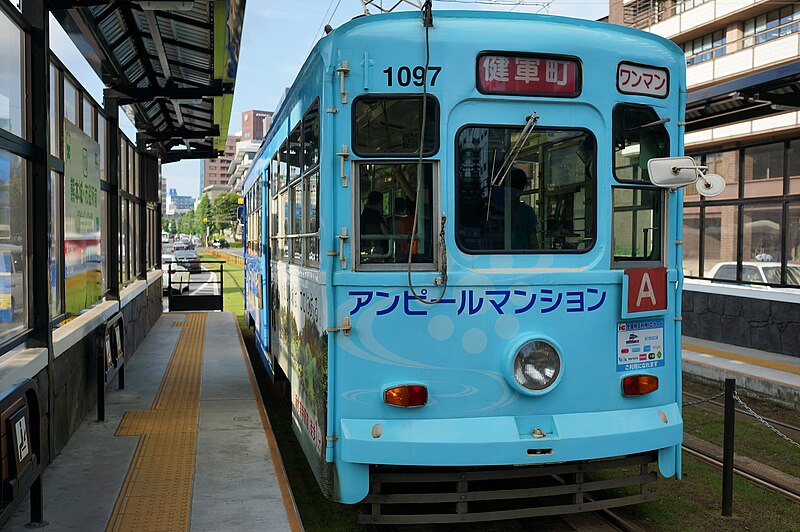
column 407, row 395
column 639, row 384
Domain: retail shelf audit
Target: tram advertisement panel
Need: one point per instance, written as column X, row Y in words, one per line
column 300, row 315
column 82, row 251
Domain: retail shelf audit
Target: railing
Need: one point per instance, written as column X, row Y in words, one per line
column 743, row 43
column 179, row 280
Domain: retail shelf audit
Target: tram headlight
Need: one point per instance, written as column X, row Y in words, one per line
column 537, row 365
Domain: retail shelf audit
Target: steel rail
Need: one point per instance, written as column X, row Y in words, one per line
column 771, row 421
column 755, row 479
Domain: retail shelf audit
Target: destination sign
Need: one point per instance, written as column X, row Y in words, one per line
column 528, row 75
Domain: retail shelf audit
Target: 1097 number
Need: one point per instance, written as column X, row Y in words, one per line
column 405, row 76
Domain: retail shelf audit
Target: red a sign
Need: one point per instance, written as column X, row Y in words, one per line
column 647, row 289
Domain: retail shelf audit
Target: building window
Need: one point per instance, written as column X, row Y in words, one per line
column 704, row 48
column 13, row 238
column 686, row 5
column 772, row 25
column 11, row 76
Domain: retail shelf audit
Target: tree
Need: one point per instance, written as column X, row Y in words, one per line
column 224, row 210
column 202, row 213
column 186, row 222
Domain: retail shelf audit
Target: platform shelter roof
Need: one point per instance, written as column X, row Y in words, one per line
column 172, row 62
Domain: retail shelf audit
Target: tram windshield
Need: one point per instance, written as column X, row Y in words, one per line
column 543, row 202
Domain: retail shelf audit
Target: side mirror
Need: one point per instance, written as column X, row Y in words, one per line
column 677, row 172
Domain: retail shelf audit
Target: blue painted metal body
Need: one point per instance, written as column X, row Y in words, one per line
column 462, row 350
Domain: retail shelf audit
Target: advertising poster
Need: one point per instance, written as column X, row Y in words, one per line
column 82, row 250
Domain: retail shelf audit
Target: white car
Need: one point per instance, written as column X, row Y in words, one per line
column 174, row 276
column 755, row 272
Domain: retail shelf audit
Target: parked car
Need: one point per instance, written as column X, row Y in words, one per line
column 220, row 243
column 755, row 272
column 175, row 277
column 189, row 259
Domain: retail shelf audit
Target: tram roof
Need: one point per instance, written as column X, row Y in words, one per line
column 174, row 63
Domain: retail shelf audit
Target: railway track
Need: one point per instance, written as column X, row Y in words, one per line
column 750, row 472
column 787, row 491
column 774, row 422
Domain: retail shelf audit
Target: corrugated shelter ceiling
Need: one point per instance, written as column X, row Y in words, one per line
column 172, row 62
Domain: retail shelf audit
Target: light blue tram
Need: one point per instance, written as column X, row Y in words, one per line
column 497, row 318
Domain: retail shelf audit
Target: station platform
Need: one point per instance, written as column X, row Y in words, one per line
column 186, row 445
column 771, row 375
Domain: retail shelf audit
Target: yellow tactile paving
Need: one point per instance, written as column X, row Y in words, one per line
column 157, row 493
column 780, row 366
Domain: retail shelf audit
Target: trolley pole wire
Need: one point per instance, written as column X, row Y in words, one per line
column 427, row 22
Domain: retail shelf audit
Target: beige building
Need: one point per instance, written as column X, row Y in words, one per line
column 215, row 171
column 742, row 121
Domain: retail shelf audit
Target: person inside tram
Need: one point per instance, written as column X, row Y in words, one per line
column 524, row 224
column 403, row 222
column 373, row 223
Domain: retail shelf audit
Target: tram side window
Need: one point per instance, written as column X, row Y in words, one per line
column 392, row 126
column 639, row 135
column 545, row 199
column 636, row 224
column 312, row 220
column 294, row 153
column 389, row 201
column 311, row 138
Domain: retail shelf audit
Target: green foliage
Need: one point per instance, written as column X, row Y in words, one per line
column 186, row 223
column 202, row 215
column 224, row 210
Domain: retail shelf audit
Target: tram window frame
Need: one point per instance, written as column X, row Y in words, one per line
column 435, row 222
column 615, row 133
column 590, row 192
column 432, row 107
column 621, row 261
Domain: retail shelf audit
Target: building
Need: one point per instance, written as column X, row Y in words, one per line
column 215, row 171
column 177, row 205
column 255, row 124
column 162, row 197
column 742, row 121
column 242, row 159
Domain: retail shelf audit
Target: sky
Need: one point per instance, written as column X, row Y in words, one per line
column 277, row 37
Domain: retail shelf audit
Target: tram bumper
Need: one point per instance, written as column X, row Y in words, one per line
column 509, row 440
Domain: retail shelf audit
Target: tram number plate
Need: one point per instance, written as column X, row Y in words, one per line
column 406, row 75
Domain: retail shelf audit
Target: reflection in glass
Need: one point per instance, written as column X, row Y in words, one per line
column 391, row 125
column 311, row 138
column 312, row 243
column 636, row 224
column 794, row 167
column 70, row 101
column 726, row 164
column 761, row 235
column 11, row 78
column 13, row 234
column 639, row 135
column 720, row 241
column 763, row 170
column 691, row 241
column 388, row 196
column 543, row 202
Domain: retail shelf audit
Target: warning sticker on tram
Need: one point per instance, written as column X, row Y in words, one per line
column 529, row 75
column 640, row 344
